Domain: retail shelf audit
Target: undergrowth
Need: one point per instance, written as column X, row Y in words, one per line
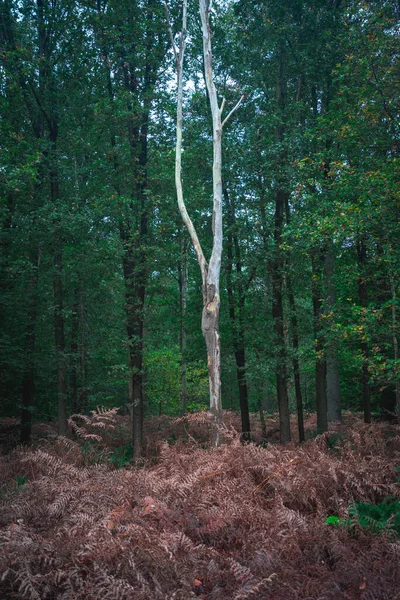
column 238, row 522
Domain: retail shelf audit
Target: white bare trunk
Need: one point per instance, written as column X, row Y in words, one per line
column 210, row 320
column 210, row 273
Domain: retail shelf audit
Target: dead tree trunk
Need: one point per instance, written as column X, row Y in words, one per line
column 210, row 273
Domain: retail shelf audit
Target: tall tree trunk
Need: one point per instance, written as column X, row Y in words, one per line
column 183, row 277
column 59, row 327
column 211, row 296
column 277, row 315
column 210, row 273
column 277, row 265
column 28, row 384
column 332, row 367
column 83, row 391
column 295, row 362
column 363, row 295
column 318, row 258
column 60, row 339
column 74, row 361
column 133, row 235
column 395, row 348
column 236, row 313
column 262, row 402
column 4, row 277
column 295, row 342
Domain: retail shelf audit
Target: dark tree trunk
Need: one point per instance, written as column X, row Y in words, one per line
column 73, row 377
column 296, row 366
column 277, row 314
column 60, row 340
column 332, row 367
column 277, row 265
column 135, row 274
column 363, row 295
column 295, row 342
column 59, row 327
column 236, row 312
column 28, row 384
column 183, row 277
column 318, row 259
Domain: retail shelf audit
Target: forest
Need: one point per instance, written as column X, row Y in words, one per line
column 199, row 299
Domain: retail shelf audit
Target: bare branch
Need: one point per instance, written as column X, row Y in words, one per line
column 171, row 35
column 178, row 150
column 234, row 109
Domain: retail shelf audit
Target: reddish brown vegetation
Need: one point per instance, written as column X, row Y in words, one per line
column 238, row 522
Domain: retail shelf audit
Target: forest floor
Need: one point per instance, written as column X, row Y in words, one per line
column 320, row 520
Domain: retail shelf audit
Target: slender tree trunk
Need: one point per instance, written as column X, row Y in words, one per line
column 277, row 265
column 295, row 343
column 83, row 391
column 210, row 318
column 262, row 416
column 59, row 328
column 133, row 235
column 28, row 384
column 4, row 277
column 395, row 348
column 296, row 366
column 262, row 400
column 236, row 314
column 183, row 277
column 277, row 314
column 60, row 340
column 73, row 377
column 210, row 273
column 363, row 295
column 332, row 367
column 318, row 258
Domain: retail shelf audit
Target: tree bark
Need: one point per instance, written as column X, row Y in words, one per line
column 28, row 384
column 236, row 313
column 363, row 295
column 210, row 318
column 277, row 265
column 74, row 361
column 395, row 348
column 210, row 273
column 183, row 277
column 318, row 258
column 58, row 289
column 295, row 342
column 332, row 367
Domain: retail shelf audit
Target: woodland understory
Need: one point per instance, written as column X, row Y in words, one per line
column 245, row 520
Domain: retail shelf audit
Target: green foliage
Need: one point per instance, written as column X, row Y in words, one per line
column 121, row 456
column 163, row 369
column 18, row 485
column 373, row 518
column 377, row 518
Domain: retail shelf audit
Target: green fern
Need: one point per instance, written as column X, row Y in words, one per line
column 376, row 518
